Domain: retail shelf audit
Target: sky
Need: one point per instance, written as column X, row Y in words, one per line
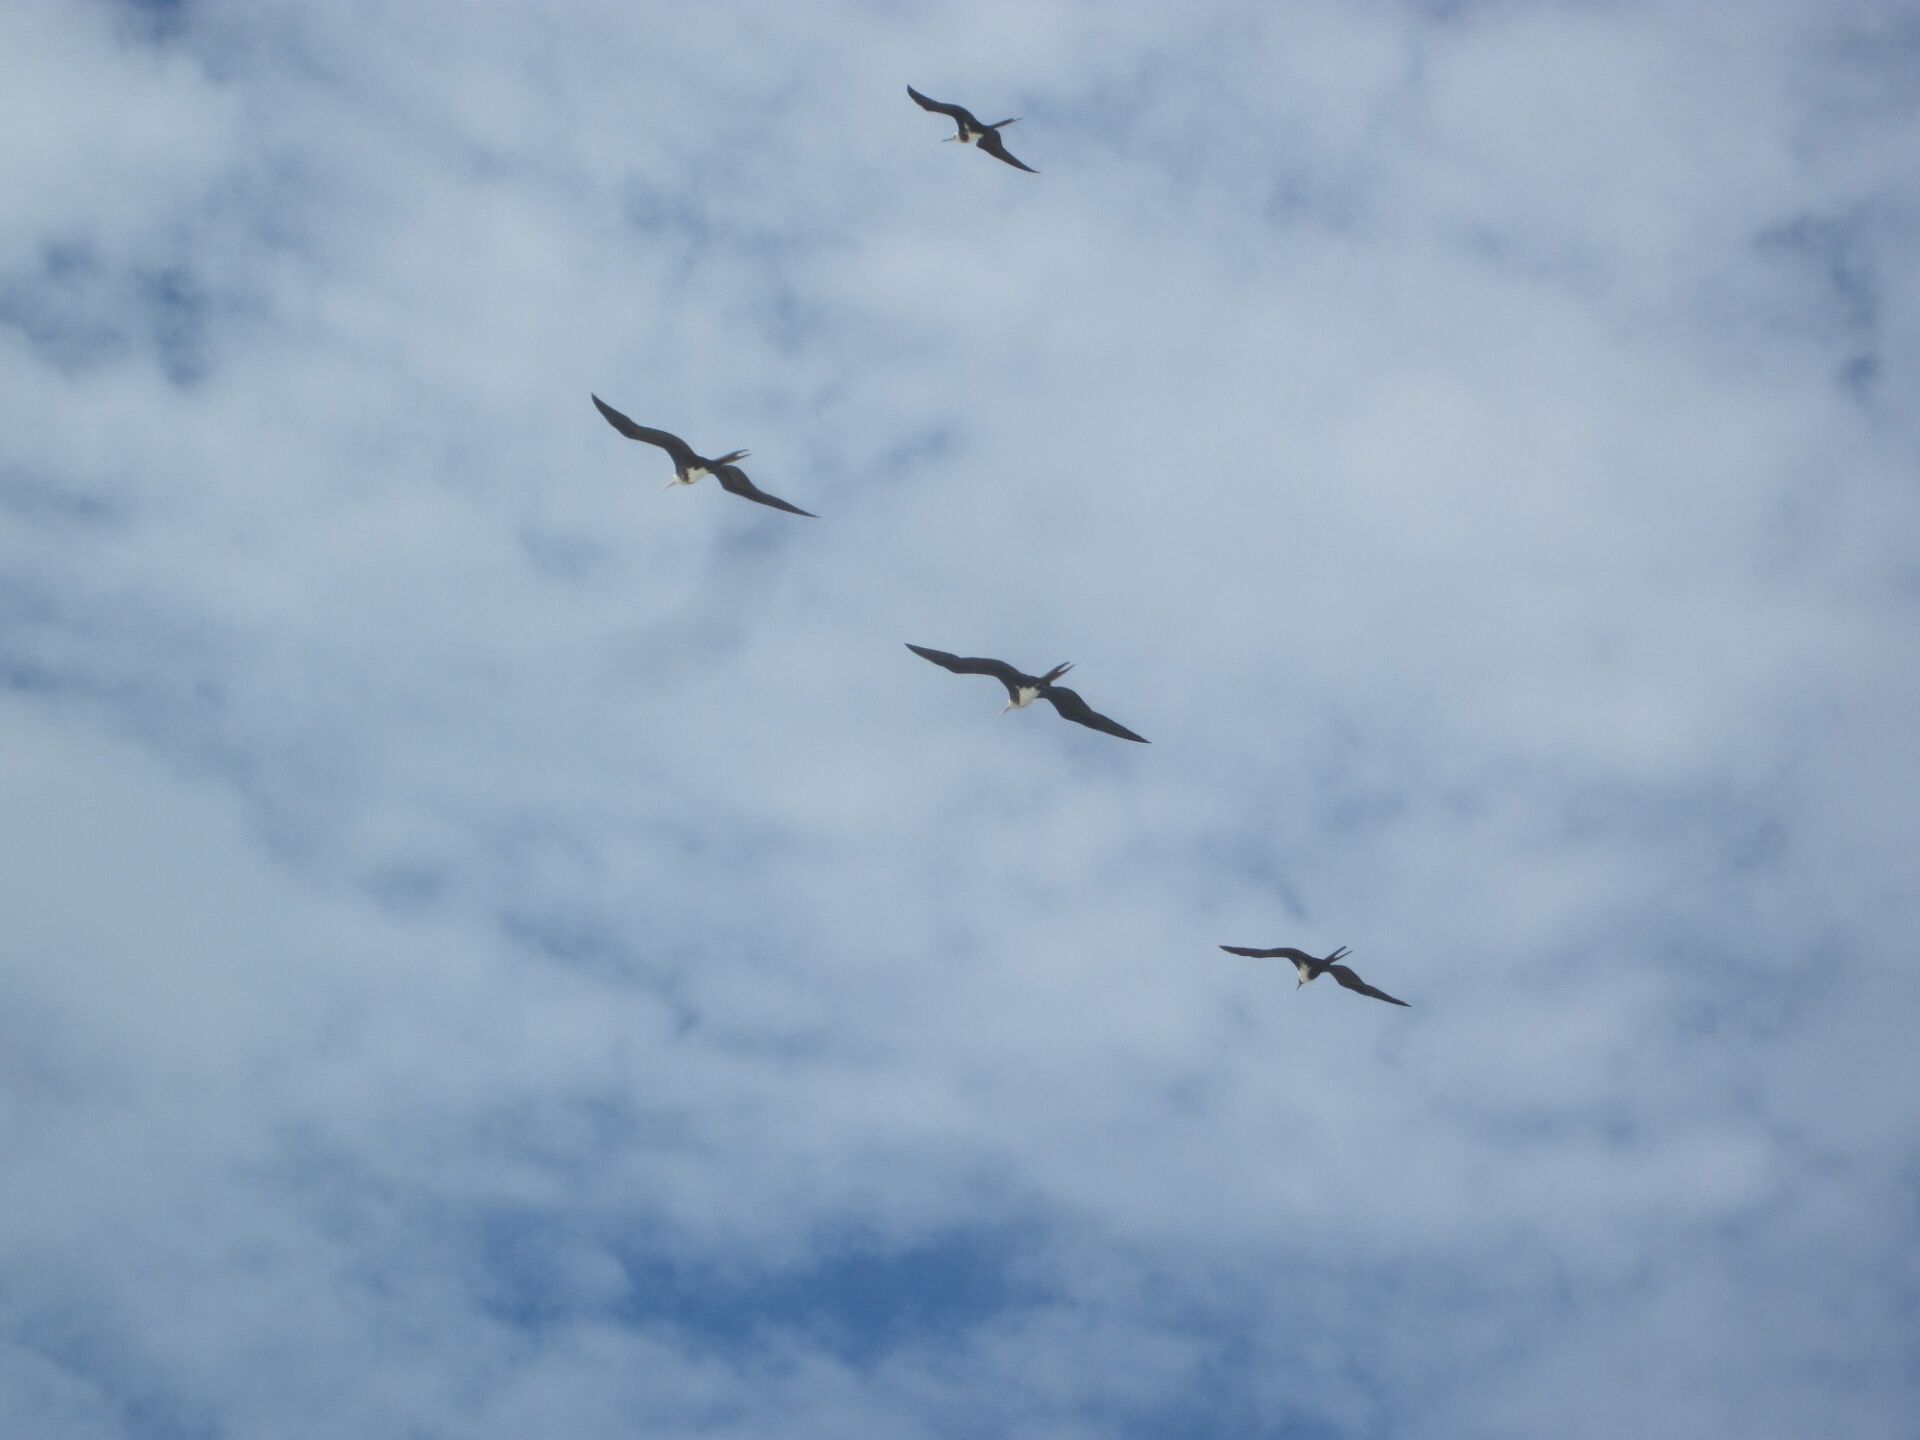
column 491, row 947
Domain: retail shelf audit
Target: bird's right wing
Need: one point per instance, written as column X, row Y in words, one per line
column 1353, row 982
column 969, row 665
column 1072, row 707
column 996, row 147
column 682, row 453
column 957, row 113
column 734, row 480
column 1284, row 952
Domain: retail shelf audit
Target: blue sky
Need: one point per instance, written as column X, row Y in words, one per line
column 494, row 948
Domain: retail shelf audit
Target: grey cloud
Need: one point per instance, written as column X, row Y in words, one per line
column 494, row 947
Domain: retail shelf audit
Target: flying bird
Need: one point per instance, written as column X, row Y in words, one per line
column 1023, row 690
column 689, row 467
column 972, row 132
column 1312, row 968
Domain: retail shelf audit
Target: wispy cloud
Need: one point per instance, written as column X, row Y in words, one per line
column 492, row 947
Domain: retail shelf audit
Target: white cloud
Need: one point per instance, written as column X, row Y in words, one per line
column 491, row 945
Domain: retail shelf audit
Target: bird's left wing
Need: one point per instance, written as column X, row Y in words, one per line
column 681, row 452
column 735, row 481
column 1284, row 952
column 957, row 113
column 970, row 665
column 1072, row 707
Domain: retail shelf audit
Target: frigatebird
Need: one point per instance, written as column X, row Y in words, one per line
column 972, row 132
column 689, row 467
column 1312, row 968
column 1024, row 689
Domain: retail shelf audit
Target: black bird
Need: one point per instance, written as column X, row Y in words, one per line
column 1023, row 690
column 972, row 132
column 1312, row 968
column 689, row 467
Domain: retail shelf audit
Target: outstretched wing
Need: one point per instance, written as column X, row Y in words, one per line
column 734, row 480
column 1072, row 707
column 682, row 453
column 959, row 114
column 996, row 147
column 1353, row 982
column 970, row 665
column 1284, row 952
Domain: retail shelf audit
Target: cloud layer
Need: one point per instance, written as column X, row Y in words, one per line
column 492, row 948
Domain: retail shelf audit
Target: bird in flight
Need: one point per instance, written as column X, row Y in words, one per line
column 689, row 467
column 972, row 132
column 1023, row 690
column 1312, row 968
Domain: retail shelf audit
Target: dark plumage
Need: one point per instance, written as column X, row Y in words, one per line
column 1024, row 689
column 971, row 131
column 1312, row 967
column 689, row 467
